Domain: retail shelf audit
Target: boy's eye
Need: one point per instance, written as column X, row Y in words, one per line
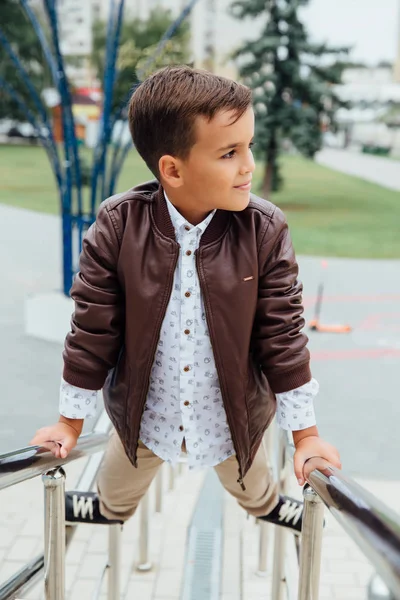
column 232, row 153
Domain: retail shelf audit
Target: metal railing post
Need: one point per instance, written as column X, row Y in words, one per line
column 159, row 489
column 263, row 549
column 144, row 560
column 269, row 439
column 278, row 569
column 181, row 464
column 54, row 534
column 311, row 546
column 171, row 483
column 114, row 562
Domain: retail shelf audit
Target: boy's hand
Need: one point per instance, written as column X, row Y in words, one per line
column 60, row 438
column 313, row 446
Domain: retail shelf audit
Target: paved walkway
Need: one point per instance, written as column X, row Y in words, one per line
column 384, row 171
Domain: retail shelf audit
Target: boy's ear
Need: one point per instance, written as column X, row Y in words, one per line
column 169, row 168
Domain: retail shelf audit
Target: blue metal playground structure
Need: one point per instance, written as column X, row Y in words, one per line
column 65, row 161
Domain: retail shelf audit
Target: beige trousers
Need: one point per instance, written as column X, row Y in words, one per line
column 121, row 486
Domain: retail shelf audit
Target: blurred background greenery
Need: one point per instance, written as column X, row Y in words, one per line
column 330, row 213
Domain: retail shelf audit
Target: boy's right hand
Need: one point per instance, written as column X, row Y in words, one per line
column 60, row 438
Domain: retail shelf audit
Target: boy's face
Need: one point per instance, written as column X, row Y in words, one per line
column 218, row 170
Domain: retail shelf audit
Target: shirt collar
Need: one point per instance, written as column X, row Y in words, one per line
column 179, row 221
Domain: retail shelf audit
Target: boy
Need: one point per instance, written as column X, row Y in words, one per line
column 188, row 312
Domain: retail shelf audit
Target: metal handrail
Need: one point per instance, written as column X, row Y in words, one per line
column 24, row 464
column 370, row 523
column 21, row 465
column 373, row 526
column 32, row 461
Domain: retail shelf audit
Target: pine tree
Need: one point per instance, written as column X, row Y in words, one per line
column 291, row 80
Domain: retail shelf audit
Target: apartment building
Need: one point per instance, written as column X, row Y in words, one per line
column 211, row 21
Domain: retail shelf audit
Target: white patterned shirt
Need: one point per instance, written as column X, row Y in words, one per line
column 184, row 400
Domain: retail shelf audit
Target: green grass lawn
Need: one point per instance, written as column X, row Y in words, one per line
column 329, row 213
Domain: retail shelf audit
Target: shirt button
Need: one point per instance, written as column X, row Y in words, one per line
column 186, row 403
column 187, row 331
column 188, row 252
column 181, row 428
column 186, row 369
column 187, row 227
column 187, row 294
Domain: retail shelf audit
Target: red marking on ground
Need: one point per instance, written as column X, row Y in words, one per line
column 354, row 354
column 310, row 300
column 380, row 321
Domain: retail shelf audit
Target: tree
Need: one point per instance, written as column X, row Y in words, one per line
column 20, row 34
column 291, row 80
column 139, row 39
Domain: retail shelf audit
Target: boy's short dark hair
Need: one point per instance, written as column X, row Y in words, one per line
column 163, row 109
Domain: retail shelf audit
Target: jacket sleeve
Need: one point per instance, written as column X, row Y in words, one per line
column 94, row 342
column 279, row 344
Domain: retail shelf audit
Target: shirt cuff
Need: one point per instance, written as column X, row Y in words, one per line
column 295, row 409
column 77, row 403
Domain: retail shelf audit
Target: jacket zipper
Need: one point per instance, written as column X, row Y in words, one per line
column 219, row 370
column 155, row 342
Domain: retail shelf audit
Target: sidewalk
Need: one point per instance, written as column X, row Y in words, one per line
column 344, row 575
column 384, row 171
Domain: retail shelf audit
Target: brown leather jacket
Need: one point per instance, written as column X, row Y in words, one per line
column 248, row 277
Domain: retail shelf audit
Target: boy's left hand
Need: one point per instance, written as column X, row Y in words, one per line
column 310, row 447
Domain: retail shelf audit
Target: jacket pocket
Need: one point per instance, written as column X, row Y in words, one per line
column 116, row 394
column 260, row 401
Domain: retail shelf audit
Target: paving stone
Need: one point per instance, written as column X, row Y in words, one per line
column 169, row 581
column 24, row 548
column 9, row 568
column 83, row 589
column 140, row 589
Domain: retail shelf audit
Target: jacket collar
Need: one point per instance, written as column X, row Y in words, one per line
column 215, row 229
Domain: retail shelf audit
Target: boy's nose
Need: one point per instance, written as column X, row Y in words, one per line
column 248, row 167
